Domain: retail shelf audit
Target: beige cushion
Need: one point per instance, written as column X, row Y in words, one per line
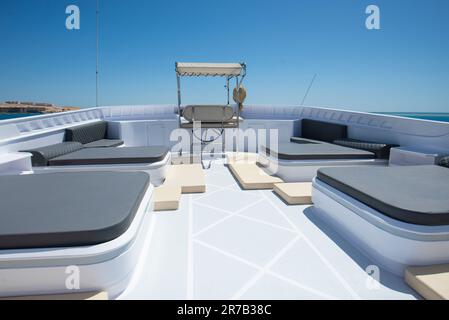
column 69, row 296
column 295, row 193
column 431, row 282
column 252, row 177
column 190, row 177
column 241, row 157
column 166, row 198
column 185, row 159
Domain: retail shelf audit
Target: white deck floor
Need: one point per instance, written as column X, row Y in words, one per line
column 235, row 244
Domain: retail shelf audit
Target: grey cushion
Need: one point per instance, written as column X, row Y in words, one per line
column 91, row 156
column 103, row 143
column 303, row 140
column 381, row 150
column 412, row 194
column 323, row 131
column 41, row 156
column 87, row 133
column 444, row 162
column 316, row 151
column 68, row 209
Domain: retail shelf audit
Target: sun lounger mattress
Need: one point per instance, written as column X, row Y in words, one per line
column 412, row 194
column 317, row 151
column 93, row 156
column 103, row 143
column 68, row 209
column 41, row 156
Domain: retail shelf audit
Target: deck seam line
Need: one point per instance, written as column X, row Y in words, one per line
column 257, row 267
column 265, row 223
column 230, row 215
column 264, row 269
column 190, row 262
column 317, row 252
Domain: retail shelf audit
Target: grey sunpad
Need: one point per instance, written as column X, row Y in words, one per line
column 68, row 209
column 41, row 156
column 413, row 194
column 93, row 156
column 317, row 151
column 103, row 143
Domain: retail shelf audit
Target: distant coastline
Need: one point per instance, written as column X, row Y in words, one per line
column 19, row 109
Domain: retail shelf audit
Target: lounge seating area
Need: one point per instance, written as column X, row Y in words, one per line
column 87, row 149
column 324, row 140
column 403, row 209
column 321, row 144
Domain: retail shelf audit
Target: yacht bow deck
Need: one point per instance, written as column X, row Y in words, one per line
column 233, row 244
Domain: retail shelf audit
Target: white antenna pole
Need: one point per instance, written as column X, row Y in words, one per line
column 98, row 52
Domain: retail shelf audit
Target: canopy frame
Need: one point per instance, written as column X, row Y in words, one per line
column 227, row 70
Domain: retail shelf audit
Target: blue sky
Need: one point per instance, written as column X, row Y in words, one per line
column 402, row 67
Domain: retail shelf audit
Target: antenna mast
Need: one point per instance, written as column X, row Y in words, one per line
column 308, row 89
column 98, row 52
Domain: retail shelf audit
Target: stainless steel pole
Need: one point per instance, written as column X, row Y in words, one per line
column 178, row 80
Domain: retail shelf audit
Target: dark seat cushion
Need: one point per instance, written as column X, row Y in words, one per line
column 68, row 209
column 381, row 150
column 41, row 156
column 316, row 151
column 87, row 133
column 103, row 143
column 93, row 156
column 444, row 162
column 323, row 131
column 412, row 194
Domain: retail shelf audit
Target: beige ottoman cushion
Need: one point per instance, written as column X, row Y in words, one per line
column 431, row 282
column 190, row 177
column 295, row 193
column 252, row 177
column 166, row 198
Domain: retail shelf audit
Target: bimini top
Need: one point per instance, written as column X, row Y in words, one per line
column 187, row 69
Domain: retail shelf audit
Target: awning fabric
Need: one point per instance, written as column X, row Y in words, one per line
column 208, row 69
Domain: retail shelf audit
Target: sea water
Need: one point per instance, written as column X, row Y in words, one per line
column 6, row 116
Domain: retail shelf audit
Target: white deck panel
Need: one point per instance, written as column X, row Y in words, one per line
column 233, row 244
